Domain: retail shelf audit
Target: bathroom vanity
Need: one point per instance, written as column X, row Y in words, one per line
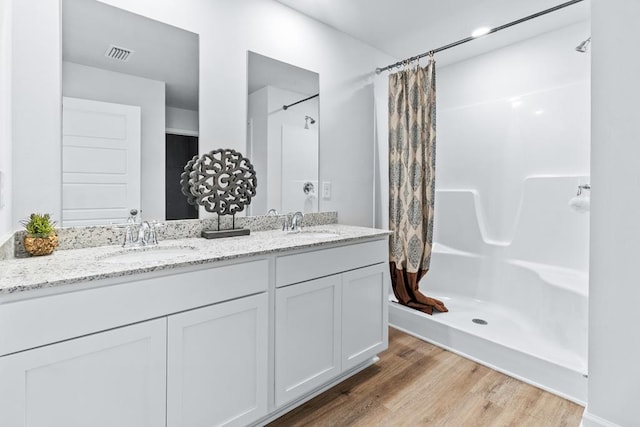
column 226, row 332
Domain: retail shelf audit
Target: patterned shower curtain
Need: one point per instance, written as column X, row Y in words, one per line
column 412, row 161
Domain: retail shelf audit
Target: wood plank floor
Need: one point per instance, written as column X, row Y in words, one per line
column 418, row 384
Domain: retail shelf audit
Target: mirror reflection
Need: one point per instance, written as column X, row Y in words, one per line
column 130, row 114
column 282, row 135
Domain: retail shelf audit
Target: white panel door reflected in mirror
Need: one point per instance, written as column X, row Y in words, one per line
column 101, row 161
column 282, row 135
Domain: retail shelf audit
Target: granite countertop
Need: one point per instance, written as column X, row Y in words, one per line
column 75, row 266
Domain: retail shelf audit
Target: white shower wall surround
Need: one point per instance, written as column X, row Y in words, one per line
column 513, row 146
column 512, row 113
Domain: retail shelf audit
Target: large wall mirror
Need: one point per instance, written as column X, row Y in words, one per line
column 130, row 114
column 282, row 135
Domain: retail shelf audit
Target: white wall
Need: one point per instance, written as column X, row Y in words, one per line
column 614, row 347
column 381, row 151
column 80, row 81
column 180, row 119
column 6, row 226
column 227, row 30
column 36, row 106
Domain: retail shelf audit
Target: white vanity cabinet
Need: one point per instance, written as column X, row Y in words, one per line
column 112, row 378
column 307, row 337
column 217, row 364
column 233, row 342
column 329, row 325
column 181, row 349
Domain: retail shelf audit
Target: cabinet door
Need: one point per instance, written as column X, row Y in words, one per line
column 307, row 328
column 217, row 364
column 364, row 314
column 112, row 378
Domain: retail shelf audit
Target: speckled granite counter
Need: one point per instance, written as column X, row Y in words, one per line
column 104, row 235
column 75, row 266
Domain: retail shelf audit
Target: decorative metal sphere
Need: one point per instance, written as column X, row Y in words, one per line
column 222, row 181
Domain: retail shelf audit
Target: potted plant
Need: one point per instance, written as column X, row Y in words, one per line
column 41, row 238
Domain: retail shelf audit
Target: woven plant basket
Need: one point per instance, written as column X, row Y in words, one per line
column 37, row 246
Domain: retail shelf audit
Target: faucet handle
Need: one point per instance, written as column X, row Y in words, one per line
column 128, row 233
column 153, row 235
column 133, row 216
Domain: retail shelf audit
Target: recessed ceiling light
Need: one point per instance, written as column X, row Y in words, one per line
column 480, row 31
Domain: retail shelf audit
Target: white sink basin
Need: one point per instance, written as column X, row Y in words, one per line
column 148, row 254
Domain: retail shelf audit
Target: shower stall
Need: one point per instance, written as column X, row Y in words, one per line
column 511, row 233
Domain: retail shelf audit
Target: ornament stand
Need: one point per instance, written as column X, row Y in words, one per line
column 219, row 234
column 222, row 181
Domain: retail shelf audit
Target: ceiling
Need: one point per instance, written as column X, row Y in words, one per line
column 161, row 52
column 405, row 28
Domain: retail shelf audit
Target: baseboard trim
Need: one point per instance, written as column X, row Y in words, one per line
column 590, row 420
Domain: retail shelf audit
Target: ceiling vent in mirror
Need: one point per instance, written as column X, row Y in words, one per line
column 118, row 53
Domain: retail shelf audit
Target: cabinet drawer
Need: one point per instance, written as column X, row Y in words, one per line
column 309, row 265
column 60, row 317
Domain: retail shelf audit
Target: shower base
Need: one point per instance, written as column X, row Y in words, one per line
column 499, row 338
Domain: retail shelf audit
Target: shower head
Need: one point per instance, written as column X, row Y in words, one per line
column 307, row 120
column 582, row 47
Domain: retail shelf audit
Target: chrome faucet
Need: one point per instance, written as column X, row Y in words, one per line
column 293, row 222
column 139, row 232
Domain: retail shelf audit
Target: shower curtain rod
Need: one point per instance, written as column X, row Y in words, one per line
column 468, row 39
column 284, row 107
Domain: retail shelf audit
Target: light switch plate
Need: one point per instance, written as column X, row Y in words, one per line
column 326, row 190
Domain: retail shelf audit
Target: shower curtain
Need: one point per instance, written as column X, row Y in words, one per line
column 412, row 160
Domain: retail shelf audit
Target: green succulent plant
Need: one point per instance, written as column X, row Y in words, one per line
column 39, row 225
